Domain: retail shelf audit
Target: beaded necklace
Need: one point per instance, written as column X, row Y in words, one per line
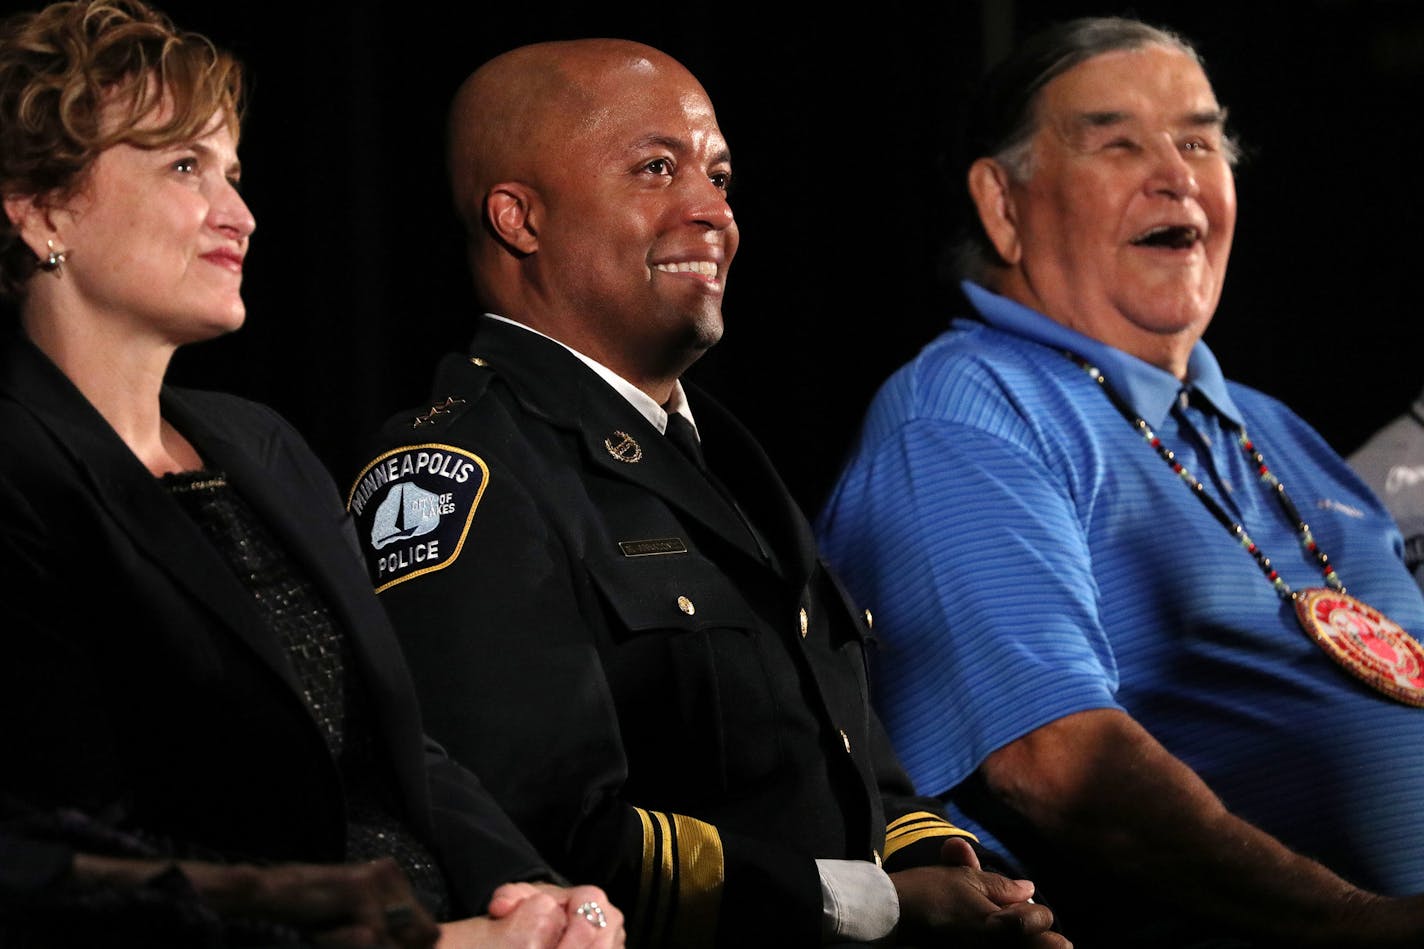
column 1363, row 641
column 1237, row 530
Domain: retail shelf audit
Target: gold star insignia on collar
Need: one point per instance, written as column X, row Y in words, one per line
column 444, row 408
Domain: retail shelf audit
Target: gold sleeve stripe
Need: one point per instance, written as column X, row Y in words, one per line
column 651, row 881
column 915, row 817
column 645, row 876
column 660, row 895
column 701, row 870
column 918, row 826
column 680, row 881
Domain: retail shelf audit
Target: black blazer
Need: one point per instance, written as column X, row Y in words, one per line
column 669, row 696
column 137, row 678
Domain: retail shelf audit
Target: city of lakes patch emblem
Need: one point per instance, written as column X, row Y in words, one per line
column 413, row 506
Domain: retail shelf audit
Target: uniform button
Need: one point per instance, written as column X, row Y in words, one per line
column 869, row 620
column 845, row 739
column 876, row 855
column 684, row 604
column 805, row 621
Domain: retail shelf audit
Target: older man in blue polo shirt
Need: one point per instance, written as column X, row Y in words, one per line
column 1136, row 619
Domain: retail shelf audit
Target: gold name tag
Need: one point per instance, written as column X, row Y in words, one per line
column 652, row 548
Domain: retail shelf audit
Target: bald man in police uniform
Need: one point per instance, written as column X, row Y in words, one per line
column 640, row 649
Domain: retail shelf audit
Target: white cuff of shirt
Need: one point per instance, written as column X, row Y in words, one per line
column 858, row 901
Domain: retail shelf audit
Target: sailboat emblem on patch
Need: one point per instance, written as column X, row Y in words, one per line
column 408, row 511
column 413, row 507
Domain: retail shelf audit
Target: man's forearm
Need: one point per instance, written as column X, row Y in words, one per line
column 1098, row 785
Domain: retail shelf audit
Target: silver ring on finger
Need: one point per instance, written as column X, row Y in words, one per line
column 592, row 912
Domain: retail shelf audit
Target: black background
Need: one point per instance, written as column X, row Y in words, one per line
column 838, row 124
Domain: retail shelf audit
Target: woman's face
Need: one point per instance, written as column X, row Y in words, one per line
column 156, row 238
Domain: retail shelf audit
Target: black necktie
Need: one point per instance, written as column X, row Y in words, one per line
column 681, row 433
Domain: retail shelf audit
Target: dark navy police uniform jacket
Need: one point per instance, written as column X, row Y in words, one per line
column 665, row 688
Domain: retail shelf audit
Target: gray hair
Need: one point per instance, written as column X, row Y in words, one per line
column 1003, row 117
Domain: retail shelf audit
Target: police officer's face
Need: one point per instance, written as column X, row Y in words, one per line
column 635, row 234
column 1122, row 227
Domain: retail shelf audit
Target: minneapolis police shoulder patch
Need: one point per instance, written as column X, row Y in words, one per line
column 413, row 506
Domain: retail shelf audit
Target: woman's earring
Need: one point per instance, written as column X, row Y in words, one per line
column 56, row 257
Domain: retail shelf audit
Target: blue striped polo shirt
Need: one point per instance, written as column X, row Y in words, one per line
column 1027, row 555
